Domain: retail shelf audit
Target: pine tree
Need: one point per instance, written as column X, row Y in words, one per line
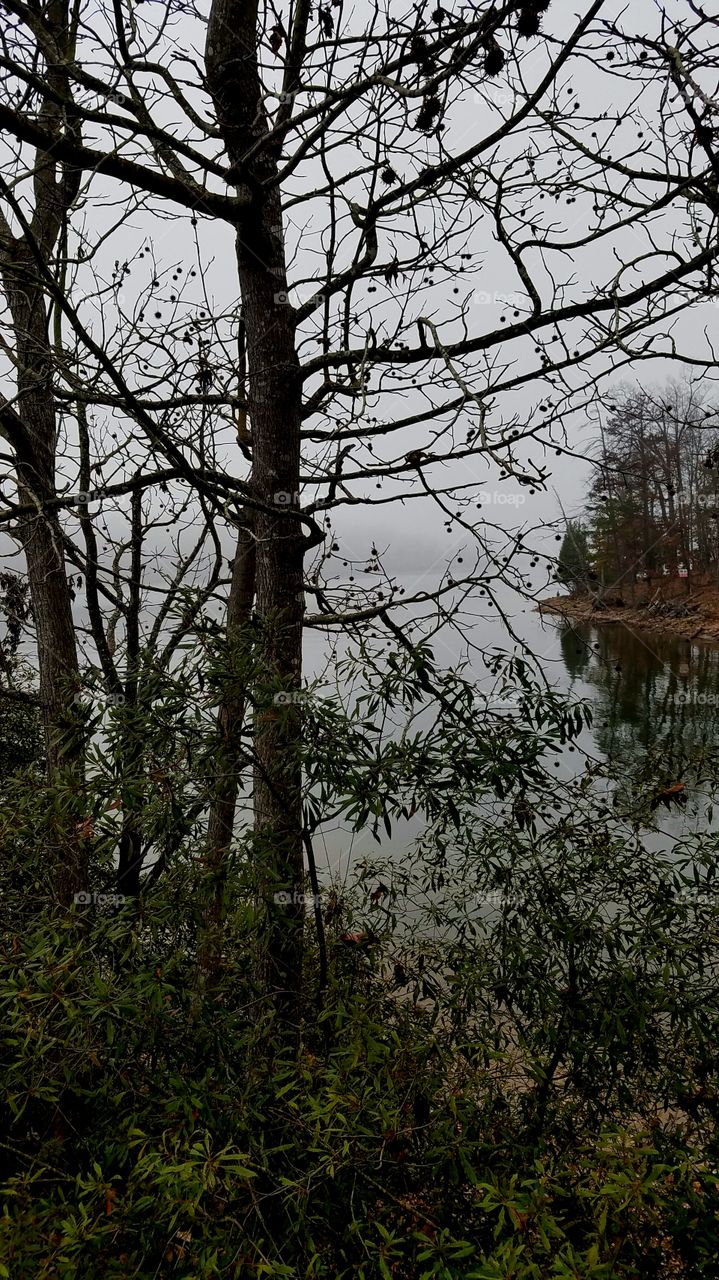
column 573, row 560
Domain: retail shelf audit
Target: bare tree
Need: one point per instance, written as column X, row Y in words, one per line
column 371, row 355
column 653, row 496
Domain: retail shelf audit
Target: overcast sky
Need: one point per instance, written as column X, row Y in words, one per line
column 480, row 289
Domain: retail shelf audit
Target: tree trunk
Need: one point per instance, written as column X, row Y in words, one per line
column 230, row 718
column 32, row 432
column 275, row 410
column 130, row 744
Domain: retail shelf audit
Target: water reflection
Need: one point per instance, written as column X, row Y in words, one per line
column 652, row 693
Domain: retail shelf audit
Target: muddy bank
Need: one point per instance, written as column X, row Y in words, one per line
column 693, row 617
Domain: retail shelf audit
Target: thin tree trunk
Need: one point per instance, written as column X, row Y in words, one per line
column 230, row 719
column 130, row 748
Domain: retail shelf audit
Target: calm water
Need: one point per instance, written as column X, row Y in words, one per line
column 653, row 695
column 655, row 702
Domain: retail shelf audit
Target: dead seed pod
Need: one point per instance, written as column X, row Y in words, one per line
column 428, row 112
column 529, row 18
column 494, row 58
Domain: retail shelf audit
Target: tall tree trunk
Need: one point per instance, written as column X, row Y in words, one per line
column 32, row 433
column 230, row 718
column 275, row 410
column 129, row 760
column 32, row 430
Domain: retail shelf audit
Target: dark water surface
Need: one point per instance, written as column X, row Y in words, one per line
column 651, row 693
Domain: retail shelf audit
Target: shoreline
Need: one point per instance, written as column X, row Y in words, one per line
column 693, row 617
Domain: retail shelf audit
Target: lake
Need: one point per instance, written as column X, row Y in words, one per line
column 654, row 699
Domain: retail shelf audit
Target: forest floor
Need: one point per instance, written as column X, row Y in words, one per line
column 693, row 616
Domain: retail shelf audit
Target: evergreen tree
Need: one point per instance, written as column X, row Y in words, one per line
column 573, row 561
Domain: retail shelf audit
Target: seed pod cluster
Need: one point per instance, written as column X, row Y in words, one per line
column 530, row 17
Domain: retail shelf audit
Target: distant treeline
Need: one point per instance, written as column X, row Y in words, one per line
column 652, row 508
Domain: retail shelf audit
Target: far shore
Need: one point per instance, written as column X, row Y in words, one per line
column 692, row 617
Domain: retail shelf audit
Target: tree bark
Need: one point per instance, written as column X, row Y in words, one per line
column 230, row 719
column 32, row 432
column 33, row 436
column 275, row 410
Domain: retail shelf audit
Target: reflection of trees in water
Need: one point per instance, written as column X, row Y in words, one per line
column 576, row 652
column 653, row 693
